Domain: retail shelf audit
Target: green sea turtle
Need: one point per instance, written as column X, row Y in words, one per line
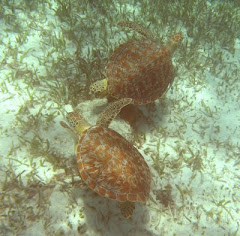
column 139, row 69
column 107, row 162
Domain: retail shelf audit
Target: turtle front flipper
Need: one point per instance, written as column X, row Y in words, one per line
column 127, row 209
column 137, row 27
column 111, row 111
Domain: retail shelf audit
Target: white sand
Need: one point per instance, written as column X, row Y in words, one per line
column 192, row 125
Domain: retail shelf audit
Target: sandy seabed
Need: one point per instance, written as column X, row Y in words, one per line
column 191, row 144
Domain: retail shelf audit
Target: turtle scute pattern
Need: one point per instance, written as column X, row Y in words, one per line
column 135, row 68
column 112, row 167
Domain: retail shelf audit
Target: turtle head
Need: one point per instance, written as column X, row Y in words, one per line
column 173, row 42
column 99, row 88
column 77, row 122
column 177, row 38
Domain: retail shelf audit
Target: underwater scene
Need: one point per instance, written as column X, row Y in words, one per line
column 119, row 117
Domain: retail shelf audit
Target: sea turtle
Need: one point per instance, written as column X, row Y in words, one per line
column 107, row 162
column 139, row 69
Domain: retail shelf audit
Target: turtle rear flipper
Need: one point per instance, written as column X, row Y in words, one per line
column 111, row 111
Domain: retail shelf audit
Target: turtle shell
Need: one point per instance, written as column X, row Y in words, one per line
column 112, row 166
column 141, row 70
